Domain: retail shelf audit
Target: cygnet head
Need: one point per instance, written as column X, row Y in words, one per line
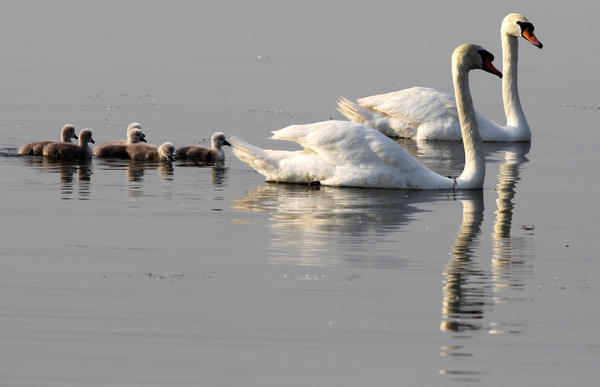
column 67, row 133
column 516, row 24
column 135, row 135
column 472, row 56
column 85, row 137
column 166, row 151
column 218, row 140
column 135, row 125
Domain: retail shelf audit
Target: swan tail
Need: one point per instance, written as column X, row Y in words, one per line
column 254, row 156
column 351, row 111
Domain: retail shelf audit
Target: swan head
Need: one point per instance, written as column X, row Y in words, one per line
column 516, row 24
column 166, row 151
column 85, row 136
column 218, row 140
column 67, row 133
column 472, row 56
column 135, row 135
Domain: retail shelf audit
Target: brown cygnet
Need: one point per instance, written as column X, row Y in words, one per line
column 67, row 151
column 37, row 148
column 118, row 149
column 145, row 152
column 202, row 154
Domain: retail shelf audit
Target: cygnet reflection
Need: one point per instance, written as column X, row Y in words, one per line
column 74, row 175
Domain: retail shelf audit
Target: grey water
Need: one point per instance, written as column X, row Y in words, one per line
column 126, row 273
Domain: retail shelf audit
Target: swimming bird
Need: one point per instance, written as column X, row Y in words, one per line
column 37, row 148
column 422, row 113
column 66, row 151
column 118, row 148
column 201, row 154
column 343, row 153
column 145, row 152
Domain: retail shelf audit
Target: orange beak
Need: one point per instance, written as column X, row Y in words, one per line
column 489, row 67
column 529, row 35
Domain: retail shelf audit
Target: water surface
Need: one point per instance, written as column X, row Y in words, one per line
column 126, row 273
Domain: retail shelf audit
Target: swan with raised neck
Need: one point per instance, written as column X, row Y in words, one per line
column 342, row 153
column 423, row 113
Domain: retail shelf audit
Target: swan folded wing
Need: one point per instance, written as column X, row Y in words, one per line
column 341, row 142
column 414, row 106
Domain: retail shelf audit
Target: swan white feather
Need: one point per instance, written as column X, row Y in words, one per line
column 423, row 113
column 343, row 153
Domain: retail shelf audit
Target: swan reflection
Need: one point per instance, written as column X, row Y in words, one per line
column 466, row 294
column 74, row 175
column 328, row 226
column 512, row 256
column 469, row 291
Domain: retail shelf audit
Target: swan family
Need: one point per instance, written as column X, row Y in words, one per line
column 359, row 152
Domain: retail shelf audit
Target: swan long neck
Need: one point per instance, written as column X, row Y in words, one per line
column 473, row 174
column 513, row 110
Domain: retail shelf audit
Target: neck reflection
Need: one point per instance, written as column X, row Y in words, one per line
column 470, row 291
column 511, row 262
column 465, row 290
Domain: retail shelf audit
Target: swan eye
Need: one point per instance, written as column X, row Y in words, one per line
column 486, row 55
column 525, row 26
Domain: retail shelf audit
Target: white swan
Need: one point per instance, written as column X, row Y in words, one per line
column 342, row 153
column 422, row 113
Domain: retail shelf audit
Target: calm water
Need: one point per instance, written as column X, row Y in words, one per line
column 128, row 273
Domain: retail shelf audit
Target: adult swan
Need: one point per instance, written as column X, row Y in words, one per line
column 342, row 153
column 422, row 113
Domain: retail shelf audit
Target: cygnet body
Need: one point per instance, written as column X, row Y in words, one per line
column 67, row 151
column 146, row 152
column 37, row 148
column 118, row 148
column 130, row 127
column 202, row 154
